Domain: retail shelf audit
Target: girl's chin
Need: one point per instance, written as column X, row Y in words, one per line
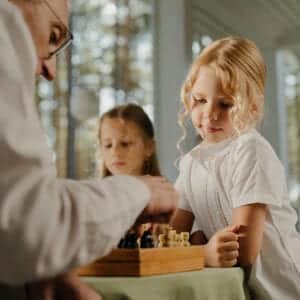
column 124, row 171
column 117, row 171
column 211, row 139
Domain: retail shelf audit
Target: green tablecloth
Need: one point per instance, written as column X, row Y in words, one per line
column 210, row 283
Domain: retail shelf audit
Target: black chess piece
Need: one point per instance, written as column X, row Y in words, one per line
column 147, row 240
column 131, row 240
column 122, row 243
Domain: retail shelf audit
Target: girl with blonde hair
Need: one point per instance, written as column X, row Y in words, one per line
column 232, row 185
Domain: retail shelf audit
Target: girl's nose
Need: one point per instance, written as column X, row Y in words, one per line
column 116, row 149
column 211, row 114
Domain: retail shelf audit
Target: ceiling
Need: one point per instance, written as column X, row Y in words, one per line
column 270, row 23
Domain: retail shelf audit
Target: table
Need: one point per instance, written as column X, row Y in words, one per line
column 209, row 283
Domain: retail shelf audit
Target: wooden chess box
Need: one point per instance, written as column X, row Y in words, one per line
column 143, row 262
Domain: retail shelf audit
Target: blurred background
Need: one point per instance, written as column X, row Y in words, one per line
column 140, row 51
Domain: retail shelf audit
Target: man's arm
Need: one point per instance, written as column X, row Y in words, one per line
column 48, row 225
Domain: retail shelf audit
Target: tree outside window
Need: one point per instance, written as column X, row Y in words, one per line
column 109, row 63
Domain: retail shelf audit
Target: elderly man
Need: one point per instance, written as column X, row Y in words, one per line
column 50, row 225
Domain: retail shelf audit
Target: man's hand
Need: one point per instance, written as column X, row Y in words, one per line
column 42, row 290
column 70, row 287
column 64, row 287
column 222, row 250
column 163, row 200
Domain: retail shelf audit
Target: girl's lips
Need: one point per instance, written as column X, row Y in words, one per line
column 213, row 130
column 118, row 164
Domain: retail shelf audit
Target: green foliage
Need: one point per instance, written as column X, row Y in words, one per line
column 111, row 63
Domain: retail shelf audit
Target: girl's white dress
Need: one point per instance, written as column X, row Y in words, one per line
column 215, row 179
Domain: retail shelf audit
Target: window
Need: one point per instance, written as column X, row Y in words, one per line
column 291, row 91
column 110, row 63
column 199, row 43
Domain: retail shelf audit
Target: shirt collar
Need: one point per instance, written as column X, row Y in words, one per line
column 206, row 152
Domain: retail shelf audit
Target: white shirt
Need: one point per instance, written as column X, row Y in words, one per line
column 47, row 225
column 215, row 179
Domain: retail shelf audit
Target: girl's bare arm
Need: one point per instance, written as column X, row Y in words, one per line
column 251, row 217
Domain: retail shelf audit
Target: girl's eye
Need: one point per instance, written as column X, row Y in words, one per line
column 125, row 144
column 226, row 105
column 200, row 100
column 196, row 101
column 107, row 146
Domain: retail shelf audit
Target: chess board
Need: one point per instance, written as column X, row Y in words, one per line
column 143, row 262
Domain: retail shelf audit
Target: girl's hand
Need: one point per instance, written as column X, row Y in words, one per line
column 222, row 250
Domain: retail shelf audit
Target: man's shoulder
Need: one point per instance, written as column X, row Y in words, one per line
column 8, row 13
column 6, row 7
column 17, row 49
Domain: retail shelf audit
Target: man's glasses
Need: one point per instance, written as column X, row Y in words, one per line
column 68, row 39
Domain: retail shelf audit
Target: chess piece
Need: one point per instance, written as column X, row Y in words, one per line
column 161, row 241
column 160, row 245
column 147, row 240
column 131, row 240
column 185, row 244
column 185, row 236
column 172, row 244
column 121, row 243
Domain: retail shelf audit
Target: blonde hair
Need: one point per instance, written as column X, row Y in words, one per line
column 134, row 113
column 240, row 67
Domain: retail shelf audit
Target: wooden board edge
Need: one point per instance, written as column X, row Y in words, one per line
column 144, row 269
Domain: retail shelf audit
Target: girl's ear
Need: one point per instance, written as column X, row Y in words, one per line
column 149, row 148
column 254, row 107
column 257, row 104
